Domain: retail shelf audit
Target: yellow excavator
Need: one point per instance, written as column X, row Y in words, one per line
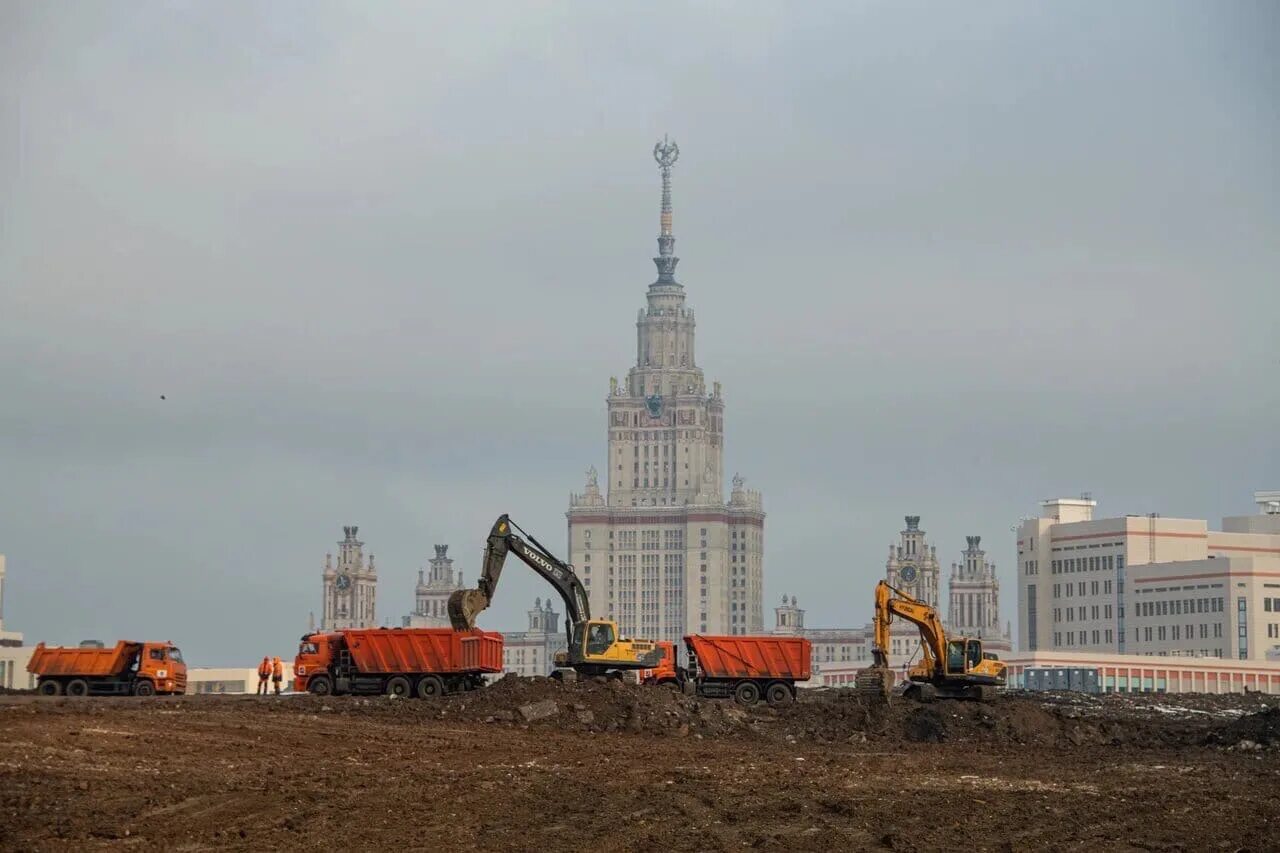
column 595, row 645
column 949, row 667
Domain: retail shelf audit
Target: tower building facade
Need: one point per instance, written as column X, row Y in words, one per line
column 660, row 550
column 913, row 564
column 975, row 594
column 431, row 595
column 350, row 587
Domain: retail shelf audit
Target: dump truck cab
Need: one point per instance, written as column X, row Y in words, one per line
column 667, row 672
column 163, row 666
column 315, row 655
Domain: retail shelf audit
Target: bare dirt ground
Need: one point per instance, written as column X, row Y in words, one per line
column 536, row 765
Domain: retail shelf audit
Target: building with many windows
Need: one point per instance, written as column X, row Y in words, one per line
column 1149, row 585
column 532, row 652
column 659, row 549
column 431, row 595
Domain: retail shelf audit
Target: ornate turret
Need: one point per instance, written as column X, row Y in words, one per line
column 666, row 153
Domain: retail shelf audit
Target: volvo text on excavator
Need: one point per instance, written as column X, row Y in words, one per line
column 595, row 646
column 949, row 667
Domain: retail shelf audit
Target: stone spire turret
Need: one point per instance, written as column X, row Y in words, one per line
column 666, row 153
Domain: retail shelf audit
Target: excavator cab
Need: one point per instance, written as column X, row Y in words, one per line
column 597, row 649
column 963, row 656
column 597, row 638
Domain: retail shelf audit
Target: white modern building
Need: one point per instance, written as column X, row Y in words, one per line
column 659, row 549
column 13, row 654
column 233, row 680
column 1149, row 585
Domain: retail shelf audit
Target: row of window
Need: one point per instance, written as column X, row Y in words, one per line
column 1081, row 638
column 1179, row 606
column 1082, row 588
column 1098, row 563
column 1176, row 632
column 1083, row 613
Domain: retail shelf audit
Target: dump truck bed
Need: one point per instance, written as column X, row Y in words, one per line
column 736, row 656
column 435, row 650
column 83, row 662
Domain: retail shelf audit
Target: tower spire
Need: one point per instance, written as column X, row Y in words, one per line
column 666, row 152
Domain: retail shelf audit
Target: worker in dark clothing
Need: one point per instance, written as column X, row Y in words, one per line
column 277, row 674
column 264, row 672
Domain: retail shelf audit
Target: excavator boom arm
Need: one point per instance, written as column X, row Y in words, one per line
column 890, row 603
column 466, row 604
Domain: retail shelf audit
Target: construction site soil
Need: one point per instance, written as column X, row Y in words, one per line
column 534, row 764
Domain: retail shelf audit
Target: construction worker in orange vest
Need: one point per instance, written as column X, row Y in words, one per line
column 264, row 672
column 277, row 674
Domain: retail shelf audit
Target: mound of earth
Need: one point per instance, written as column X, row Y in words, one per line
column 1252, row 731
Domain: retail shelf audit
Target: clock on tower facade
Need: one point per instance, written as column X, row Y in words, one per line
column 350, row 586
column 913, row 564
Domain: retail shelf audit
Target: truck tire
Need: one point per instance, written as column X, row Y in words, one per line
column 778, row 694
column 430, row 687
column 144, row 688
column 78, row 687
column 321, row 685
column 399, row 686
column 49, row 687
column 747, row 693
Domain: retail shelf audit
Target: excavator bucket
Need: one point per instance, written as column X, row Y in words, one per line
column 874, row 683
column 464, row 605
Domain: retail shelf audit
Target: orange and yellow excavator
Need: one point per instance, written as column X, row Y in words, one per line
column 949, row 667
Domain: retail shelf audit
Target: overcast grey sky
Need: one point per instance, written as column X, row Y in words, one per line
column 947, row 260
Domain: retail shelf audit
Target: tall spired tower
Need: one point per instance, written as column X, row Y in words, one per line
column 661, row 551
column 350, row 587
column 975, row 603
column 913, row 564
column 431, row 595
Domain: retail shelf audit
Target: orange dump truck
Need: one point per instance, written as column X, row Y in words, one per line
column 746, row 668
column 130, row 669
column 423, row 662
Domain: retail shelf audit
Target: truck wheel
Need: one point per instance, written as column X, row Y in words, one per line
column 747, row 693
column 78, row 687
column 144, row 688
column 430, row 687
column 49, row 688
column 399, row 686
column 778, row 694
column 320, row 685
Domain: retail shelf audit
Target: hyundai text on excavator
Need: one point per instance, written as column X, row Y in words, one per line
column 949, row 667
column 595, row 645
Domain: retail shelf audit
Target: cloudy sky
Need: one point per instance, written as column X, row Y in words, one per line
column 382, row 261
